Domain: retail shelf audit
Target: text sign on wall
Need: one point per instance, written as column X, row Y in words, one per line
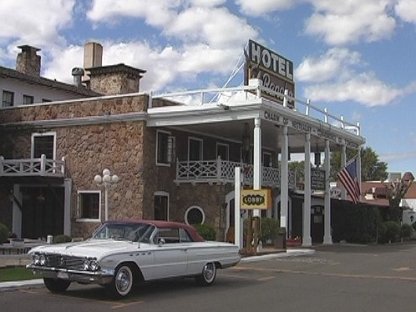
column 317, row 179
column 275, row 71
column 256, row 199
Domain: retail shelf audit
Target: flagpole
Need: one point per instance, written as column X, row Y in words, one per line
column 359, row 171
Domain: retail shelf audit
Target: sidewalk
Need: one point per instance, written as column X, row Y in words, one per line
column 23, row 259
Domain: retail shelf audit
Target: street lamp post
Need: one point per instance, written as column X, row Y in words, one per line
column 106, row 181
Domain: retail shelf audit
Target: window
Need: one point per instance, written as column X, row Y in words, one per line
column 267, row 159
column 164, row 148
column 195, row 149
column 161, row 206
column 89, row 205
column 194, row 215
column 223, row 151
column 174, row 235
column 8, row 98
column 28, row 99
column 43, row 143
column 46, row 100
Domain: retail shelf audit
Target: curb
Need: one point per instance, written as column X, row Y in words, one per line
column 7, row 286
column 287, row 254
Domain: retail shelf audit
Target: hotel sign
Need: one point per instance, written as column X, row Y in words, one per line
column 256, row 199
column 275, row 72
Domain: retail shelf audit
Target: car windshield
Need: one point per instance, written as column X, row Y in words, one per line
column 136, row 232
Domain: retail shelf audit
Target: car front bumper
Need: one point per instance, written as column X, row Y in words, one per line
column 84, row 277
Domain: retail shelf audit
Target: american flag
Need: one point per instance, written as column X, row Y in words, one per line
column 348, row 177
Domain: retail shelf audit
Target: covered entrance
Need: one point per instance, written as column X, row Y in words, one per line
column 42, row 211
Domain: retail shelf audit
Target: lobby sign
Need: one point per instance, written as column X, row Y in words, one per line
column 317, row 179
column 275, row 72
column 256, row 199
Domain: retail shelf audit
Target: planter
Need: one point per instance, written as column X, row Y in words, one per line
column 16, row 242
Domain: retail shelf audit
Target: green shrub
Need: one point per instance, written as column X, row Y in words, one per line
column 407, row 230
column 58, row 239
column 4, row 233
column 414, row 225
column 269, row 229
column 389, row 232
column 206, row 231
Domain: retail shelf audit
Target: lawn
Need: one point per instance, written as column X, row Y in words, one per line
column 16, row 274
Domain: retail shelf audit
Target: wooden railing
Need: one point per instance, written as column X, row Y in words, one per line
column 223, row 171
column 32, row 167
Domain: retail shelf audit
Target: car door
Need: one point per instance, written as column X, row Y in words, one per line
column 170, row 256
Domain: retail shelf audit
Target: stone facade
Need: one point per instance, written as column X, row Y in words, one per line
column 127, row 148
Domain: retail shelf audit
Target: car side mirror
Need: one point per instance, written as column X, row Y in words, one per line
column 161, row 241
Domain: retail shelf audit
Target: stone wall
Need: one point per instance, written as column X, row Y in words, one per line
column 75, row 109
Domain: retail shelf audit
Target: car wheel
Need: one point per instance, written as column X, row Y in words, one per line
column 207, row 277
column 122, row 282
column 56, row 285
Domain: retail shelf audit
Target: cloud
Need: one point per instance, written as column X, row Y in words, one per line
column 345, row 22
column 216, row 27
column 406, row 10
column 189, row 61
column 363, row 88
column 260, row 7
column 35, row 22
column 155, row 13
column 332, row 64
column 388, row 157
column 338, row 75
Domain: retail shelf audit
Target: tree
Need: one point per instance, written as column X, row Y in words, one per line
column 396, row 190
column 372, row 169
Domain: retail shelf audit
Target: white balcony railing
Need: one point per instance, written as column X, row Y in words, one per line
column 32, row 167
column 222, row 171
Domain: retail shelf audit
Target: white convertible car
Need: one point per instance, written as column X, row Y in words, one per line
column 121, row 254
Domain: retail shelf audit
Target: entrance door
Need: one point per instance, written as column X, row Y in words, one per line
column 317, row 224
column 42, row 211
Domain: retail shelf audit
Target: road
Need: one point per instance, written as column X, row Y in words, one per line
column 335, row 278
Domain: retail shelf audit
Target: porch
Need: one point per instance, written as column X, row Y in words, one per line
column 223, row 171
column 32, row 167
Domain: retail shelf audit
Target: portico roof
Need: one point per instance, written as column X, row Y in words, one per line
column 224, row 116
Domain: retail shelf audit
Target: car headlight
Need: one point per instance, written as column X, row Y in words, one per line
column 91, row 265
column 42, row 260
column 36, row 259
column 94, row 266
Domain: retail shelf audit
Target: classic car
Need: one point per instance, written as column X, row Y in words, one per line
column 121, row 254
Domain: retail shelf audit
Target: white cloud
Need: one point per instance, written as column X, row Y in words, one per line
column 344, row 22
column 364, row 88
column 260, row 7
column 155, row 13
column 214, row 26
column 406, row 10
column 332, row 64
column 35, row 22
column 164, row 66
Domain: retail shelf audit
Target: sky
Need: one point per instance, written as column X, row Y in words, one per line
column 356, row 58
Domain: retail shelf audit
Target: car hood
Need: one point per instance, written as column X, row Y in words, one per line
column 96, row 248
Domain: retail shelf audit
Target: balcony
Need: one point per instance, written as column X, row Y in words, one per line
column 33, row 167
column 222, row 172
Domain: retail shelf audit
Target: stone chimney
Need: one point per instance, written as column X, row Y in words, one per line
column 115, row 79
column 93, row 55
column 28, row 62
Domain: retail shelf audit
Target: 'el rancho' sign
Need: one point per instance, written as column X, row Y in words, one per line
column 275, row 71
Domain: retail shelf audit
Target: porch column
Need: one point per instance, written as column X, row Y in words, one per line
column 67, row 206
column 257, row 174
column 17, row 211
column 284, row 180
column 306, row 237
column 343, row 163
column 238, row 237
column 359, row 170
column 327, row 200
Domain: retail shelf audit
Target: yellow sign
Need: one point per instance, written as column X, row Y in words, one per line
column 256, row 199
